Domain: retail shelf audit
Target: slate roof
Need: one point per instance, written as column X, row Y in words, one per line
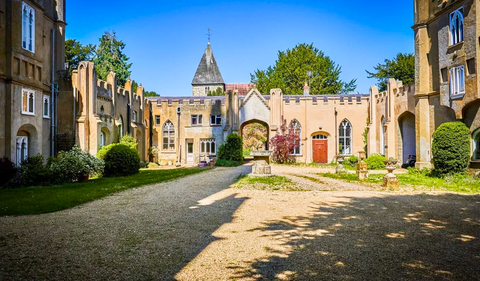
column 207, row 71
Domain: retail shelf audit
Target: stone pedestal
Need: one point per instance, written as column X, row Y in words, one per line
column 261, row 166
column 362, row 170
column 340, row 168
column 390, row 180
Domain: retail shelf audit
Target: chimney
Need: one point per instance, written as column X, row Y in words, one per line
column 306, row 89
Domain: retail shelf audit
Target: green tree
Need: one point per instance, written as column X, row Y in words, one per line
column 151, row 94
column 75, row 53
column 290, row 73
column 254, row 137
column 110, row 57
column 401, row 67
column 217, row 92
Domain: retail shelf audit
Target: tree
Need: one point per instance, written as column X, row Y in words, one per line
column 75, row 53
column 401, row 67
column 151, row 94
column 217, row 92
column 254, row 136
column 285, row 143
column 290, row 73
column 110, row 57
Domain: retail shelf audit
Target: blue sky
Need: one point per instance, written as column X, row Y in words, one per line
column 166, row 39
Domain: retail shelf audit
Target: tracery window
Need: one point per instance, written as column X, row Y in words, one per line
column 168, row 136
column 345, row 138
column 28, row 28
column 207, row 146
column 297, row 130
column 456, row 27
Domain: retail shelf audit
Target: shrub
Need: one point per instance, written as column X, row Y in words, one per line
column 351, row 161
column 69, row 166
column 232, row 149
column 7, row 170
column 284, row 144
column 228, row 163
column 121, row 160
column 375, row 162
column 129, row 141
column 31, row 172
column 451, row 148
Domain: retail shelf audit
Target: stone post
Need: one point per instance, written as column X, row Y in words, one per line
column 362, row 171
column 390, row 180
column 340, row 168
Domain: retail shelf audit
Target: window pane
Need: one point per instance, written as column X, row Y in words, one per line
column 30, row 103
column 213, row 147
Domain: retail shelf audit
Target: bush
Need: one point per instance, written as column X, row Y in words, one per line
column 7, row 170
column 232, row 149
column 121, row 160
column 351, row 161
column 129, row 141
column 284, row 144
column 375, row 162
column 228, row 163
column 69, row 166
column 451, row 148
column 32, row 172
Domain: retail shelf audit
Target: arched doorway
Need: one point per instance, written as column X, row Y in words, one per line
column 406, row 124
column 27, row 143
column 320, row 148
column 255, row 136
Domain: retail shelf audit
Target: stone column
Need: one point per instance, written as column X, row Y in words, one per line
column 423, row 133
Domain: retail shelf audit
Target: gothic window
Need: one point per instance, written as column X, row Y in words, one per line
column 297, row 130
column 22, row 149
column 457, row 80
column 215, row 119
column 207, row 146
column 168, row 136
column 120, row 126
column 456, row 27
column 28, row 102
column 345, row 138
column 28, row 28
column 103, row 138
column 46, row 106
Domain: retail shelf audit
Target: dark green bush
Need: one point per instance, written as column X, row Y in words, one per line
column 32, row 172
column 70, row 165
column 7, row 170
column 228, row 163
column 451, row 148
column 232, row 149
column 129, row 141
column 375, row 162
column 351, row 161
column 121, row 160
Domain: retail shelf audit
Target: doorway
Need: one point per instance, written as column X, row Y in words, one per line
column 190, row 155
column 320, row 149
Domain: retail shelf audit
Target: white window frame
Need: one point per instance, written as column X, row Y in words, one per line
column 30, row 107
column 22, row 149
column 28, row 28
column 217, row 120
column 46, row 98
column 457, row 81
column 456, row 28
column 197, row 119
column 208, row 146
column 346, row 150
column 103, row 138
column 297, row 127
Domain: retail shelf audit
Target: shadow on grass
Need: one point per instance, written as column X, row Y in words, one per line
column 401, row 237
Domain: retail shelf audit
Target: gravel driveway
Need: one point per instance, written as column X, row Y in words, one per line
column 196, row 228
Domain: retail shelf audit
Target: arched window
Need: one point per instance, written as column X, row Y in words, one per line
column 103, row 138
column 168, row 136
column 22, row 149
column 345, row 138
column 120, row 126
column 297, row 130
column 102, row 110
column 456, row 27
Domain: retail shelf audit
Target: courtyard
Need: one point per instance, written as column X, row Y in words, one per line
column 206, row 227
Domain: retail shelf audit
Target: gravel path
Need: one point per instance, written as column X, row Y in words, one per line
column 196, row 228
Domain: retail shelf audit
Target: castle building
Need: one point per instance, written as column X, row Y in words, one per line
column 207, row 77
column 32, row 56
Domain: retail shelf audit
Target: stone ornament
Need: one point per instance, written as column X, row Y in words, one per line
column 390, row 180
column 362, row 170
column 340, row 168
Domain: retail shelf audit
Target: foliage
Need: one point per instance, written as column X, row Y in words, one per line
column 290, row 73
column 228, row 163
column 110, row 58
column 32, row 171
column 451, row 148
column 7, row 170
column 217, row 92
column 75, row 53
column 375, row 162
column 231, row 149
column 246, row 152
column 70, row 165
column 284, row 143
column 35, row 200
column 254, row 137
column 129, row 141
column 402, row 67
column 351, row 161
column 151, row 94
column 121, row 160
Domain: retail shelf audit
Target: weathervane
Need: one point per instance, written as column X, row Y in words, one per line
column 209, row 35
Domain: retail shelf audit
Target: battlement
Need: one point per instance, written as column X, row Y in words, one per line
column 327, row 99
column 187, row 101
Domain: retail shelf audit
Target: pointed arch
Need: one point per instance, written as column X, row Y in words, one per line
column 120, row 127
column 168, row 136
column 383, row 130
column 456, row 27
column 297, row 129
column 345, row 137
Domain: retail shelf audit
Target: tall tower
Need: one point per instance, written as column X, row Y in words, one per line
column 208, row 77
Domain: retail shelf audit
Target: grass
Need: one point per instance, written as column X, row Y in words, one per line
column 315, row 180
column 273, row 183
column 46, row 199
column 419, row 181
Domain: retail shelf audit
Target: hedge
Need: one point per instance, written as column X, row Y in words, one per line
column 451, row 148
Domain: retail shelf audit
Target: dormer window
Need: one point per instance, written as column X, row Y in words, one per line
column 456, row 27
column 28, row 28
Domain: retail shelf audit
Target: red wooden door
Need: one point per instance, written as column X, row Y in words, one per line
column 320, row 151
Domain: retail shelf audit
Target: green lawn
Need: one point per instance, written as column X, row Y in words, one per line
column 273, row 183
column 456, row 183
column 46, row 199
